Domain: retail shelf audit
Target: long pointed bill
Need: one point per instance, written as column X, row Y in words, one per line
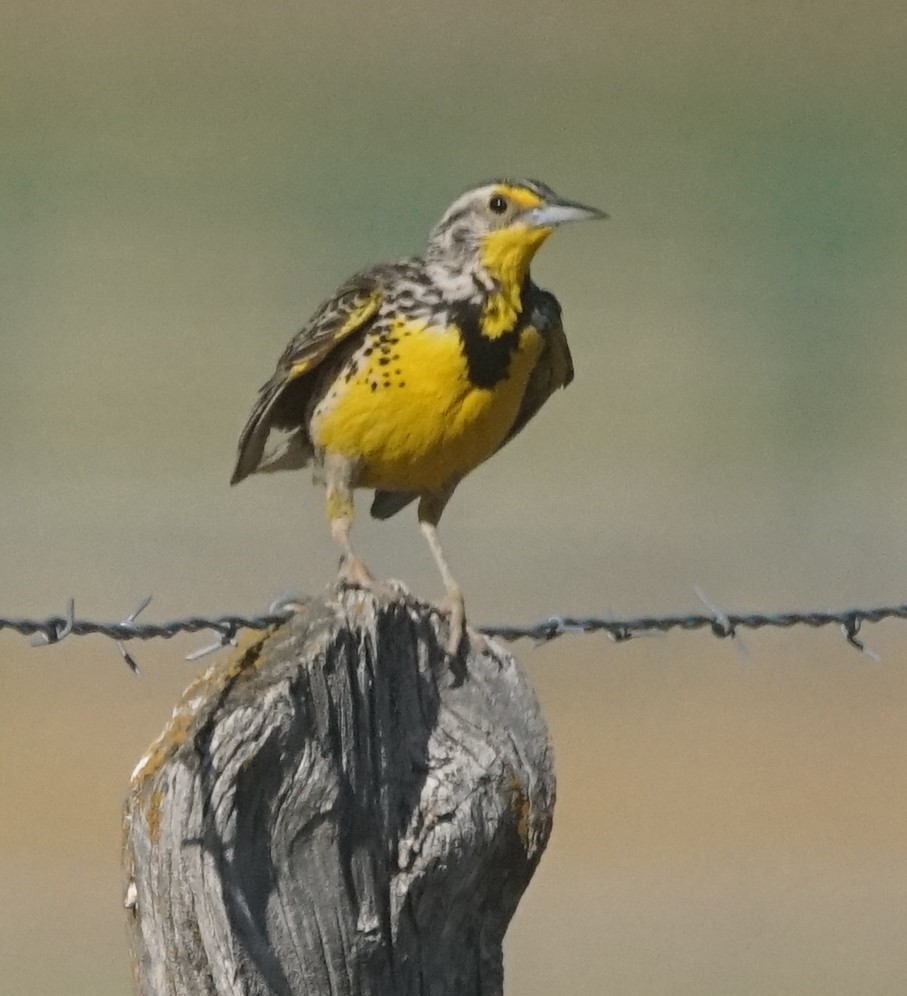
column 559, row 212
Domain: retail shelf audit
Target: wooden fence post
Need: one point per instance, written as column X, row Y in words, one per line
column 337, row 810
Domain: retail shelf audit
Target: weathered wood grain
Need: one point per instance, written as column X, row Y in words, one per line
column 337, row 809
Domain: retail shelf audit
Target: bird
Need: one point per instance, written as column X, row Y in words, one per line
column 416, row 372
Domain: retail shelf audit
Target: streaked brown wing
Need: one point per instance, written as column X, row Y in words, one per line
column 349, row 312
column 554, row 368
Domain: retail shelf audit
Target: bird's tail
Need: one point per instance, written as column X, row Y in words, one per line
column 290, row 450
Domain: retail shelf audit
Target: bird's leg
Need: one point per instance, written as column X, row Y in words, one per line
column 338, row 475
column 430, row 509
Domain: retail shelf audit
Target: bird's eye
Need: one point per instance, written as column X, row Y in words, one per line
column 498, row 204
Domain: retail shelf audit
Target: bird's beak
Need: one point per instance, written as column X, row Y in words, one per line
column 559, row 211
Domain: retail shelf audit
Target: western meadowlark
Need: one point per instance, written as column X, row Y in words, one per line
column 416, row 372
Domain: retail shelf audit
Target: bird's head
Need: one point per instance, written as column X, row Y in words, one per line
column 495, row 229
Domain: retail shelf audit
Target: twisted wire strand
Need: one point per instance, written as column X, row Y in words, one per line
column 53, row 629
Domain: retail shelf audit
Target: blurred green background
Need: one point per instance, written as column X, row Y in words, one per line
column 180, row 185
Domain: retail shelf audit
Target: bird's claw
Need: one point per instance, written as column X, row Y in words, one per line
column 354, row 572
column 453, row 607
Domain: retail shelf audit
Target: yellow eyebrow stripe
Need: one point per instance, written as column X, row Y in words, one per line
column 520, row 195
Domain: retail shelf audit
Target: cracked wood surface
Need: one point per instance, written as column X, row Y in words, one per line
column 337, row 809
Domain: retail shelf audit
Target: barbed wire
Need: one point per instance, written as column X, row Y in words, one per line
column 54, row 629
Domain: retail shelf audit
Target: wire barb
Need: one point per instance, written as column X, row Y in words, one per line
column 128, row 621
column 55, row 629
column 851, row 627
column 228, row 630
column 721, row 625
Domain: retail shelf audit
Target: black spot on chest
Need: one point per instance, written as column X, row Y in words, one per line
column 487, row 359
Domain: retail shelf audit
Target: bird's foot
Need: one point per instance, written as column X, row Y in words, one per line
column 478, row 641
column 453, row 607
column 354, row 572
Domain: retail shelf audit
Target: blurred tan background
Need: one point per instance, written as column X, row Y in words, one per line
column 181, row 183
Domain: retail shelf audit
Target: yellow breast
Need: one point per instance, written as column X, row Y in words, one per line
column 405, row 408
